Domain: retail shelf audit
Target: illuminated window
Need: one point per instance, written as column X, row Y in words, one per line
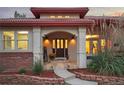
column 8, row 40
column 61, row 43
column 87, row 47
column 22, row 40
column 52, row 16
column 92, row 36
column 67, row 16
column 66, row 43
column 53, row 43
column 58, row 43
column 59, row 16
column 95, row 47
column 103, row 43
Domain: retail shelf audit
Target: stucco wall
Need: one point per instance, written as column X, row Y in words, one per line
column 42, row 16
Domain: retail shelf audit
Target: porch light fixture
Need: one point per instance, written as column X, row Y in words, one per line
column 73, row 42
column 46, row 41
column 45, row 37
column 73, row 37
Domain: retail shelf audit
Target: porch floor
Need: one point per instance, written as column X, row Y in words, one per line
column 61, row 64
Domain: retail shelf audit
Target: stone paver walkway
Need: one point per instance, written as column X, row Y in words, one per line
column 70, row 78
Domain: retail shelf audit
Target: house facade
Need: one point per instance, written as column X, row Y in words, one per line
column 65, row 32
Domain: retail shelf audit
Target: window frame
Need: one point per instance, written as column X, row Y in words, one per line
column 23, row 40
column 16, row 49
column 3, row 41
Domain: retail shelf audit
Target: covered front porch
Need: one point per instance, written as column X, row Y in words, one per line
column 60, row 49
column 63, row 47
column 61, row 64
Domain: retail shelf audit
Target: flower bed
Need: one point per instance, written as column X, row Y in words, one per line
column 102, row 80
column 16, row 79
column 48, row 74
column 45, row 78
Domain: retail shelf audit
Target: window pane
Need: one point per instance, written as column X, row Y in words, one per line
column 61, row 43
column 102, row 42
column 87, row 47
column 67, row 16
column 52, row 16
column 23, row 35
column 58, row 43
column 8, row 35
column 59, row 16
column 53, row 43
column 95, row 47
column 66, row 43
column 22, row 44
column 22, row 40
column 9, row 44
column 8, row 40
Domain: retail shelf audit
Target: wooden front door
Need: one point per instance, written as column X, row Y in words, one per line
column 60, row 47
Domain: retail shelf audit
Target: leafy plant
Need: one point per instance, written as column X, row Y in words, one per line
column 105, row 63
column 52, row 56
column 22, row 71
column 37, row 68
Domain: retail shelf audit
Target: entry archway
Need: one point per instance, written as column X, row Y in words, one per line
column 60, row 43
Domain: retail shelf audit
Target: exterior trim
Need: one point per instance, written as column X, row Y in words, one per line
column 81, row 10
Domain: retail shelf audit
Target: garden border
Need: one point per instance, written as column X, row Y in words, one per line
column 16, row 79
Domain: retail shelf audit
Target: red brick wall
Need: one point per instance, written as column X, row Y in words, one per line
column 15, row 60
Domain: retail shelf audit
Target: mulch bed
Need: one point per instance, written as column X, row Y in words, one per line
column 86, row 74
column 47, row 74
column 83, row 71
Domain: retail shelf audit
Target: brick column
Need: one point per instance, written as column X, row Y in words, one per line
column 81, row 48
column 37, row 50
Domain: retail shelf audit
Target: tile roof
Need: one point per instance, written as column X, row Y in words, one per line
column 45, row 22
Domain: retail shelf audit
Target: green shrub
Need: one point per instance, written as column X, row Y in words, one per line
column 22, row 71
column 37, row 68
column 107, row 64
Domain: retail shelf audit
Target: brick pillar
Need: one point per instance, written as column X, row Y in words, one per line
column 81, row 48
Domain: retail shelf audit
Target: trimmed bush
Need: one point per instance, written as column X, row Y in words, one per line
column 105, row 63
column 37, row 68
column 22, row 71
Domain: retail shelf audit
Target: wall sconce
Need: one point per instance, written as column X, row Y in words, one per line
column 46, row 41
column 73, row 42
column 45, row 37
column 73, row 37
